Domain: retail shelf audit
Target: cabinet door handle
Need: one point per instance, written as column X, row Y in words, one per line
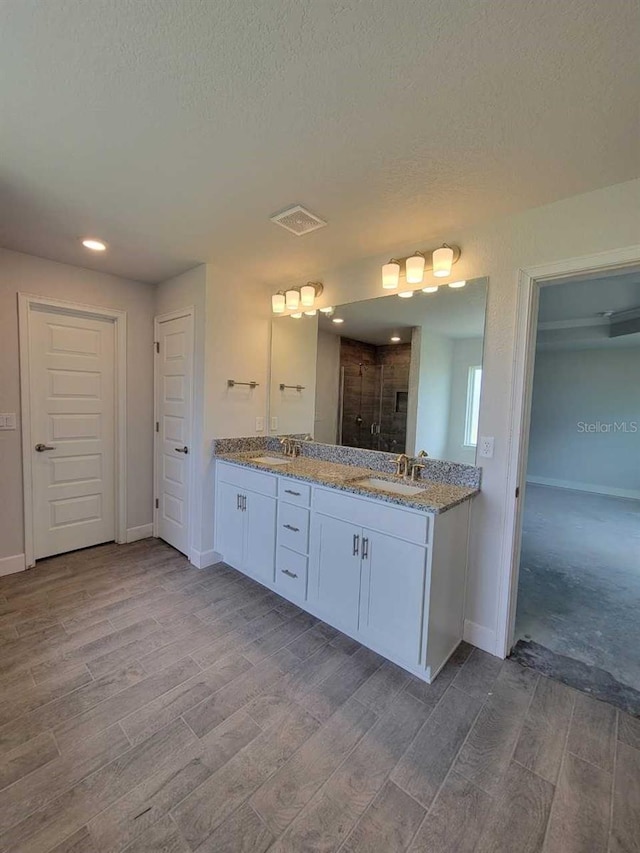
column 291, row 527
column 244, row 503
column 291, row 492
column 365, row 548
column 288, row 573
column 238, row 501
column 356, row 544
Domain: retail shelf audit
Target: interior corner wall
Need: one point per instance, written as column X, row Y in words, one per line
column 40, row 277
column 434, row 394
column 585, row 420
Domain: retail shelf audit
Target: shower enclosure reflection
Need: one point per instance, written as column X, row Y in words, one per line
column 393, row 374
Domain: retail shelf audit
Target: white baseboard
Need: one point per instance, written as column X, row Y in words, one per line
column 145, row 531
column 203, row 559
column 593, row 488
column 11, row 565
column 479, row 636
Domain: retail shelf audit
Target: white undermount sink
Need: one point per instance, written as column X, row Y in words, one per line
column 271, row 460
column 390, row 486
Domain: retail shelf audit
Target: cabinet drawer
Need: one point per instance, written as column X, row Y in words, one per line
column 247, row 478
column 293, row 527
column 374, row 515
column 291, row 574
column 294, row 492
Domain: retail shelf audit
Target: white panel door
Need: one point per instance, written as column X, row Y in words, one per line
column 72, row 396
column 174, row 378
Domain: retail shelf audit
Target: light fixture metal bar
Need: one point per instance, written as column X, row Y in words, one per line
column 231, row 383
column 428, row 257
column 294, row 387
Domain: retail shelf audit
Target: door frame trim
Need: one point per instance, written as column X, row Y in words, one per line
column 529, row 282
column 27, row 301
column 188, row 311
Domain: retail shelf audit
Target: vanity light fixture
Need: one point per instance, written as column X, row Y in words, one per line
column 296, row 297
column 93, row 244
column 406, row 294
column 433, row 289
column 327, row 310
column 293, row 300
column 338, row 320
column 439, row 260
column 414, row 268
column 457, row 284
column 278, row 303
column 390, row 275
column 297, row 315
column 442, row 261
column 310, row 313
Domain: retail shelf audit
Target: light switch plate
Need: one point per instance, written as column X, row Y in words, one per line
column 8, row 420
column 485, row 446
column 274, row 424
column 259, row 424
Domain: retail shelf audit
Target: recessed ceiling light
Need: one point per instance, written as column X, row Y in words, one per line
column 327, row 310
column 395, row 339
column 296, row 316
column 94, row 245
column 310, row 313
column 338, row 320
column 457, row 284
column 433, row 289
column 406, row 294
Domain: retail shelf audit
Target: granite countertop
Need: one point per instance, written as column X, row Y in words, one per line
column 436, row 497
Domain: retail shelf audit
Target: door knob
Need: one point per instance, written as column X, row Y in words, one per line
column 42, row 447
column 184, row 449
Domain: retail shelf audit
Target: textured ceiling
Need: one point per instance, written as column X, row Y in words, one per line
column 174, row 128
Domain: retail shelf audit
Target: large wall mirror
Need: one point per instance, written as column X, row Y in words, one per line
column 392, row 373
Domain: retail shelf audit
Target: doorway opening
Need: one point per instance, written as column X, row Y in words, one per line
column 579, row 557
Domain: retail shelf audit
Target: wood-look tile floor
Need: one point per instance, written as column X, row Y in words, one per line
column 149, row 706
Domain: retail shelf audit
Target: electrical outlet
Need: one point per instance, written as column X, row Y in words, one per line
column 274, row 424
column 485, row 446
column 259, row 424
column 8, row 420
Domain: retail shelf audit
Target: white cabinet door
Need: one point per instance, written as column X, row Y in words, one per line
column 337, row 589
column 393, row 589
column 260, row 521
column 230, row 527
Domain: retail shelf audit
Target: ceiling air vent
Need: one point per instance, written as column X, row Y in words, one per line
column 298, row 220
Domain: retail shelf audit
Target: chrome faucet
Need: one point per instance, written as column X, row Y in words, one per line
column 290, row 447
column 402, row 465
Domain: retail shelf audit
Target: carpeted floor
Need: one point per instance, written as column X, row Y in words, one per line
column 579, row 590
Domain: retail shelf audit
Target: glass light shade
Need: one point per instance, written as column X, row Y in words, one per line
column 457, row 284
column 278, row 303
column 442, row 261
column 432, row 289
column 310, row 313
column 390, row 275
column 297, row 316
column 308, row 295
column 327, row 310
column 293, row 300
column 406, row 294
column 414, row 269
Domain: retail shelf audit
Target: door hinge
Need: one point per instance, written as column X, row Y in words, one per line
column 157, row 504
column 517, row 492
column 157, row 345
column 157, row 426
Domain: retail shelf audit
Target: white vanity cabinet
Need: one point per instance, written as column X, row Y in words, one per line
column 392, row 577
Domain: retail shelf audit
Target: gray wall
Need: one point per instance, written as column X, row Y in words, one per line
column 27, row 274
column 327, row 388
column 466, row 353
column 591, row 386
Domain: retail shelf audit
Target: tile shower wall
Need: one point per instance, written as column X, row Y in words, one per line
column 376, row 384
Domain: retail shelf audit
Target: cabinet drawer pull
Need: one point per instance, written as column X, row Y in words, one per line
column 356, row 544
column 288, row 573
column 291, row 527
column 291, row 492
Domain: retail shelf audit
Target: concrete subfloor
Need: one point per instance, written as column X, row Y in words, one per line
column 579, row 588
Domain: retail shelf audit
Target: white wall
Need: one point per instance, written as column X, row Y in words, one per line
column 434, row 394
column 24, row 273
column 466, row 353
column 294, row 346
column 327, row 388
column 593, row 386
column 598, row 221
